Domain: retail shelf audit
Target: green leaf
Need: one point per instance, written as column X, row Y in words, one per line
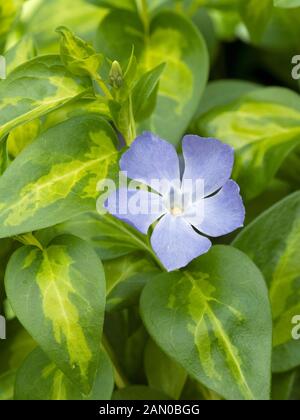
column 282, row 35
column 130, row 5
column 77, row 108
column 20, row 137
column 13, row 351
column 78, row 56
column 58, row 294
column 144, row 95
column 7, row 247
column 287, row 4
column 4, row 159
column 122, row 119
column 222, row 92
column 214, row 320
column 125, row 338
column 110, row 237
column 273, row 242
column 296, row 388
column 289, row 170
column 116, row 4
column 282, row 386
column 47, row 382
column 34, row 89
column 78, row 15
column 263, row 128
column 7, row 382
column 162, row 372
column 126, row 278
column 9, row 11
column 256, row 15
column 195, row 391
column 277, row 191
column 139, row 392
column 15, row 348
column 22, row 51
column 56, row 177
column 172, row 40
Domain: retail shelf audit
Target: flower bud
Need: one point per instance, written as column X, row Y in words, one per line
column 116, row 75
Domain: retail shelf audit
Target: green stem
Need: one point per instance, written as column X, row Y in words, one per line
column 103, row 86
column 144, row 14
column 132, row 124
column 120, row 379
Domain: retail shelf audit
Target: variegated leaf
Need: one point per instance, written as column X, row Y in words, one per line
column 15, row 348
column 110, row 237
column 172, row 40
column 126, row 278
column 19, row 138
column 78, row 15
column 56, row 177
column 273, row 242
column 58, row 293
column 36, row 88
column 214, row 319
column 79, row 57
column 47, row 382
column 263, row 126
column 22, row 51
column 13, row 351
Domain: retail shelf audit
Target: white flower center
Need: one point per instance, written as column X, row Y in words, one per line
column 177, row 211
column 175, row 202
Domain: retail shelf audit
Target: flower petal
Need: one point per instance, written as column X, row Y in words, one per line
column 223, row 212
column 208, row 160
column 176, row 243
column 138, row 208
column 151, row 158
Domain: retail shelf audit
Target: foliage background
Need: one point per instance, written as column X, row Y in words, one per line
column 56, row 144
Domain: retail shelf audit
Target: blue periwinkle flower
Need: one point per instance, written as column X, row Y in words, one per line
column 185, row 219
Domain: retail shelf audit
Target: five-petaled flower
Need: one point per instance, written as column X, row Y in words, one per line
column 179, row 235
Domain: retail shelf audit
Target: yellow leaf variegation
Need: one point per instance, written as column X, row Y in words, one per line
column 263, row 126
column 22, row 51
column 273, row 242
column 172, row 40
column 56, row 177
column 50, row 86
column 50, row 383
column 63, row 288
column 77, row 55
column 214, row 320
